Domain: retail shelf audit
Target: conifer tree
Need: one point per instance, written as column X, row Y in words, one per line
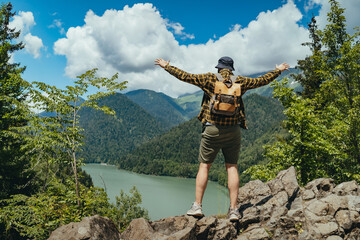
column 309, row 77
column 13, row 166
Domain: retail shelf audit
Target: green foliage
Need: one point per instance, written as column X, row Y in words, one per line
column 324, row 124
column 127, row 208
column 38, row 154
column 310, row 77
column 14, row 168
column 36, row 216
column 303, row 148
column 7, row 47
column 60, row 135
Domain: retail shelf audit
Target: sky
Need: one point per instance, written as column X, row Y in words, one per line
column 64, row 39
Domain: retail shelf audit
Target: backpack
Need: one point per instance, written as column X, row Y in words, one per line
column 225, row 98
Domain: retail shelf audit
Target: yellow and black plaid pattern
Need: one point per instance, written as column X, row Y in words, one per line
column 207, row 83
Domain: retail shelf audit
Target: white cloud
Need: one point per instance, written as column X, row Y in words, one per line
column 33, row 45
column 178, row 30
column 24, row 21
column 128, row 41
column 58, row 24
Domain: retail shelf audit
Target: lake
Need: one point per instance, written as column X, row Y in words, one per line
column 161, row 196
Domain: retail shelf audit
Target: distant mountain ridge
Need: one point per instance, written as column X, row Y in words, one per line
column 159, row 105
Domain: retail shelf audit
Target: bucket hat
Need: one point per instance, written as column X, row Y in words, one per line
column 226, row 62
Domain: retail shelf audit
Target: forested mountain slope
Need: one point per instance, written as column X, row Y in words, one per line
column 109, row 137
column 159, row 105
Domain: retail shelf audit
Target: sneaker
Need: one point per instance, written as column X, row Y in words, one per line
column 195, row 210
column 234, row 214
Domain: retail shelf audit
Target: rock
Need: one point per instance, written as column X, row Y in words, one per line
column 326, row 229
column 279, row 210
column 250, row 216
column 319, row 208
column 343, row 219
column 297, row 209
column 354, row 203
column 91, row 228
column 253, row 193
column 282, row 198
column 254, row 234
column 336, row 202
column 224, row 230
column 204, row 226
column 308, row 195
column 347, row 188
column 334, row 238
column 139, row 229
column 321, row 187
column 167, row 226
column 354, row 235
column 289, row 181
column 355, row 217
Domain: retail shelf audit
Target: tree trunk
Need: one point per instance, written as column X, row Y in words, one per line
column 76, row 179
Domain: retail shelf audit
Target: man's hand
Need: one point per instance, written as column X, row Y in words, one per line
column 282, row 67
column 161, row 62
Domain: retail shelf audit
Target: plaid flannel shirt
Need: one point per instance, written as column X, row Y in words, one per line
column 207, row 83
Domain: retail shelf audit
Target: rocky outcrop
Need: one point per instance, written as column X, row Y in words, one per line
column 278, row 209
column 90, row 228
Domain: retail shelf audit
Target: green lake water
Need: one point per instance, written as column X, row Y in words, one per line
column 161, row 196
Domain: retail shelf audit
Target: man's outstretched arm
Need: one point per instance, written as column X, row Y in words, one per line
column 283, row 67
column 161, row 62
column 251, row 83
column 195, row 79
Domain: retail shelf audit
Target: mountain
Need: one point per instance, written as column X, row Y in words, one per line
column 191, row 103
column 107, row 137
column 175, row 152
column 159, row 105
column 53, row 114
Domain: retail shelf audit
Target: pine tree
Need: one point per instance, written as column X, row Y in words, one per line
column 14, row 176
column 309, row 77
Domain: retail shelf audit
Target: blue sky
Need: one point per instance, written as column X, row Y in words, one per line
column 65, row 39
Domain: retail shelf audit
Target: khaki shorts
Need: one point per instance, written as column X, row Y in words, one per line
column 215, row 138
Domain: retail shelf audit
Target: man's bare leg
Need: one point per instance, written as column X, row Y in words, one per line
column 201, row 181
column 233, row 183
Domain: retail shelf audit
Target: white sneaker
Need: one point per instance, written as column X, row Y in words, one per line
column 234, row 214
column 195, row 210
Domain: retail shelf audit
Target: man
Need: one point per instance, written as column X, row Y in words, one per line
column 220, row 131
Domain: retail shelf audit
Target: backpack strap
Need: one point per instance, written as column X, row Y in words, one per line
column 219, row 77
